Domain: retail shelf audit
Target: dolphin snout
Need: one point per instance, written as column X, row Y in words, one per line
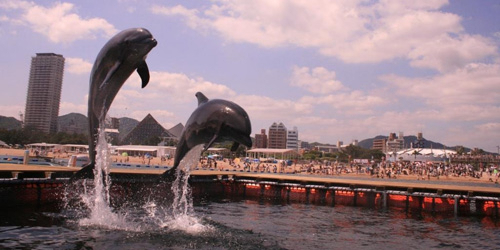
column 154, row 42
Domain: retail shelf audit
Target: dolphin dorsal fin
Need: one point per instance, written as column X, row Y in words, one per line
column 201, row 98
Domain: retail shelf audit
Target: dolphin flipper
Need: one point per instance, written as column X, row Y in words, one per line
column 143, row 71
column 111, row 73
column 209, row 144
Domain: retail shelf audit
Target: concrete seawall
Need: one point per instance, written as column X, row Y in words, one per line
column 39, row 185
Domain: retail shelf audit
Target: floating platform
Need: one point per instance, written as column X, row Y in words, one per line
column 33, row 184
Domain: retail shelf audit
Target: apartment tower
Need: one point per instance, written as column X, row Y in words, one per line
column 277, row 136
column 261, row 139
column 44, row 92
column 292, row 140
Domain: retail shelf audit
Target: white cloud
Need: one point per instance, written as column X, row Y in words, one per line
column 353, row 30
column 191, row 15
column 462, row 102
column 447, row 53
column 475, row 84
column 182, row 88
column 69, row 107
column 351, row 103
column 318, row 80
column 77, row 66
column 59, row 23
column 266, row 108
column 11, row 110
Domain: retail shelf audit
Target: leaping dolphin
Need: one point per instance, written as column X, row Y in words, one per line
column 213, row 121
column 118, row 59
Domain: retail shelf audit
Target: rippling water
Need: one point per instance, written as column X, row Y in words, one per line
column 249, row 224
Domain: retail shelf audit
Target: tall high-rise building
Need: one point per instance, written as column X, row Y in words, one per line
column 44, row 92
column 292, row 140
column 277, row 136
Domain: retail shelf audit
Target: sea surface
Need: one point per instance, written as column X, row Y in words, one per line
column 89, row 219
column 244, row 224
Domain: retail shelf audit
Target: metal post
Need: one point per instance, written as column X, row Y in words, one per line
column 433, row 205
column 308, row 192
column 26, row 158
column 407, row 203
column 384, row 200
column 496, row 209
column 355, row 198
column 333, row 197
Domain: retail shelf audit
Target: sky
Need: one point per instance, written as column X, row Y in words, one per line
column 337, row 70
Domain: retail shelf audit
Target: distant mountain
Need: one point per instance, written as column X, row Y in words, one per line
column 73, row 123
column 408, row 140
column 126, row 125
column 78, row 123
column 9, row 123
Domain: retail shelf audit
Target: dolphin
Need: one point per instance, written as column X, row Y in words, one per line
column 118, row 59
column 212, row 121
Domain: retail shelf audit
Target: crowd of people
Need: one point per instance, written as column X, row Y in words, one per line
column 384, row 169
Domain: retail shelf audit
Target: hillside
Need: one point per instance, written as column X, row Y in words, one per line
column 78, row 123
column 73, row 123
column 368, row 143
column 9, row 123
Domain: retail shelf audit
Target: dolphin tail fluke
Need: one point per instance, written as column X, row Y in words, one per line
column 235, row 146
column 169, row 175
column 87, row 172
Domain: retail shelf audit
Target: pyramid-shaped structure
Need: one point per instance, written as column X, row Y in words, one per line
column 146, row 132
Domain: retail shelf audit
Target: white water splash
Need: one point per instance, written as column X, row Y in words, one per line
column 98, row 198
column 183, row 216
column 179, row 216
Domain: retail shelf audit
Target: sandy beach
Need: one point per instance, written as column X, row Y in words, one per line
column 225, row 165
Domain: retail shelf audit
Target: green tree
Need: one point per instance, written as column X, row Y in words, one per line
column 460, row 150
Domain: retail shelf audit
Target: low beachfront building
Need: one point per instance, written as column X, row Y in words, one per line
column 421, row 154
column 141, row 150
column 72, row 148
column 41, row 147
column 267, row 153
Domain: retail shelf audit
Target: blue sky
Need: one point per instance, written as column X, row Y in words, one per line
column 336, row 70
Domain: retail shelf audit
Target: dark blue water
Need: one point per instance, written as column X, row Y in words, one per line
column 250, row 224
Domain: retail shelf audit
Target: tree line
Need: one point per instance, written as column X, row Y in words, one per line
column 346, row 154
column 28, row 135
